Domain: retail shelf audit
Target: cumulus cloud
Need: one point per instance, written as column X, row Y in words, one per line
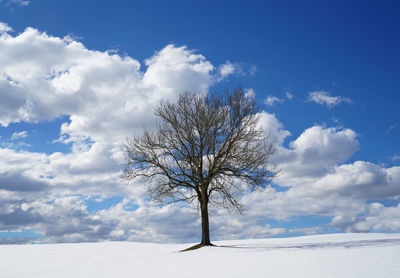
column 376, row 218
column 175, row 69
column 324, row 98
column 363, row 180
column 314, row 154
column 249, row 93
column 319, row 182
column 344, row 202
column 334, row 189
column 66, row 219
column 15, row 141
column 380, row 218
column 289, row 95
column 339, row 192
column 25, row 165
column 273, row 127
column 271, row 100
column 18, row 135
column 284, row 205
column 18, row 182
column 227, row 69
column 4, row 28
column 106, row 97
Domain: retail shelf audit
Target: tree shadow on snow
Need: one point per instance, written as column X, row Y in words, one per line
column 317, row 245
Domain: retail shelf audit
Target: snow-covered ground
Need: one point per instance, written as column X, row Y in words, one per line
column 336, row 255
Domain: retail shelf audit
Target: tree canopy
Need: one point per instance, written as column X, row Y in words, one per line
column 205, row 149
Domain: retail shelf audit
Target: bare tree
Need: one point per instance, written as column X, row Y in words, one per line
column 204, row 150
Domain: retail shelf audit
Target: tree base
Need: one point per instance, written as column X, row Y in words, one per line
column 197, row 246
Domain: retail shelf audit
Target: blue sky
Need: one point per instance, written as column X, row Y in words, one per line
column 78, row 77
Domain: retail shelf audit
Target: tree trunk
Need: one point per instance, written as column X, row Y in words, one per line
column 205, row 226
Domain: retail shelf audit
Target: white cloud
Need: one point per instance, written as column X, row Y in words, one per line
column 18, row 135
column 271, row 100
column 105, row 95
column 339, row 191
column 4, row 28
column 273, row 127
column 381, row 218
column 249, row 93
column 106, row 98
column 314, row 154
column 282, row 205
column 227, row 69
column 344, row 201
column 378, row 218
column 16, row 2
column 363, row 180
column 342, row 194
column 23, row 163
column 288, row 95
column 395, row 157
column 320, row 184
column 175, row 69
column 20, row 2
column 324, row 98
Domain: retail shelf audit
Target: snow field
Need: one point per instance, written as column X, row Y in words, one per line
column 337, row 255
